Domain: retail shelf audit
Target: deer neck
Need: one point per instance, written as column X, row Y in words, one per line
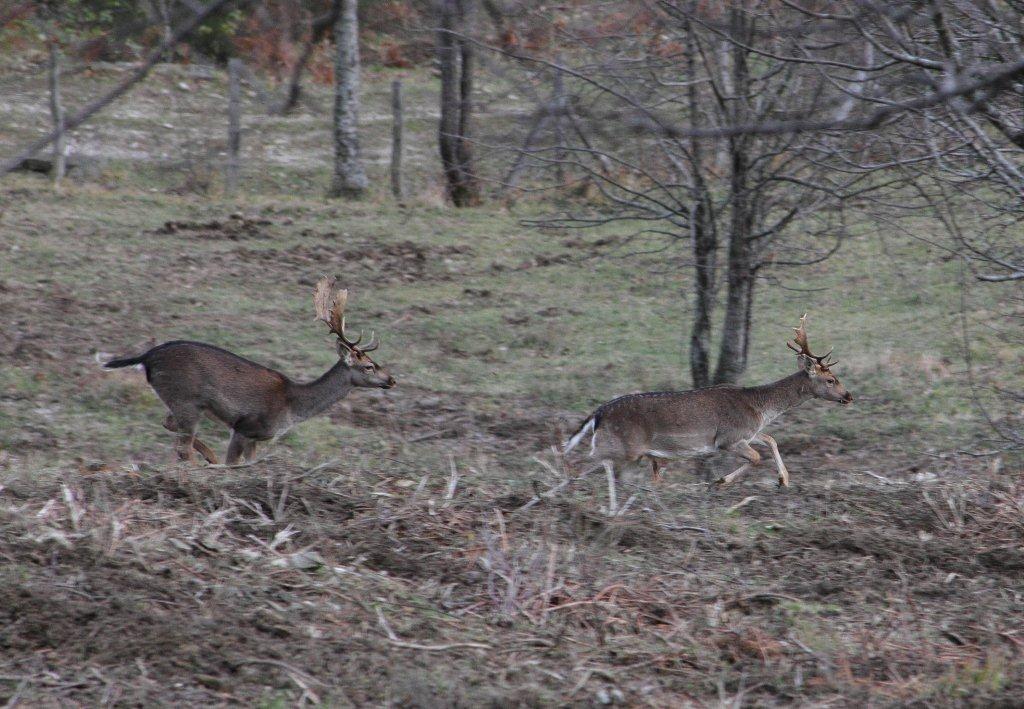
column 312, row 398
column 775, row 398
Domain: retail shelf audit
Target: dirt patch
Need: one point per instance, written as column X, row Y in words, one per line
column 235, row 228
column 401, row 262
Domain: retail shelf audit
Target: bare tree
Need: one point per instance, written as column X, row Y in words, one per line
column 933, row 95
column 349, row 176
column 455, row 57
column 725, row 206
column 972, row 177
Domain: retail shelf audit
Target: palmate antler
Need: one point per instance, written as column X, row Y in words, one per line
column 800, row 346
column 330, row 307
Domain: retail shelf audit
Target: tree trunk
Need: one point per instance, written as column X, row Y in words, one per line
column 455, row 57
column 732, row 358
column 397, row 127
column 57, row 112
column 704, row 256
column 704, row 238
column 234, row 123
column 349, row 177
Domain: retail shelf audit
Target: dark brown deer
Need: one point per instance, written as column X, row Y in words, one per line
column 666, row 425
column 257, row 403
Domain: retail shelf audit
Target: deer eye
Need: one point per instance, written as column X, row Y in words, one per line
column 830, row 382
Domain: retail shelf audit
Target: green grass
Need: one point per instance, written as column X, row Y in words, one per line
column 563, row 336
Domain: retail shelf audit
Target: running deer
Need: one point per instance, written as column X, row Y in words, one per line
column 665, row 425
column 256, row 402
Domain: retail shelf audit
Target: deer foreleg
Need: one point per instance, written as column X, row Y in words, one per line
column 783, row 473
column 236, row 446
column 205, row 451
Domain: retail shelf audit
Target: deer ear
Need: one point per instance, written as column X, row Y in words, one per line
column 806, row 363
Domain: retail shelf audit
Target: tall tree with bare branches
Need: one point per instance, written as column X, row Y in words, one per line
column 727, row 206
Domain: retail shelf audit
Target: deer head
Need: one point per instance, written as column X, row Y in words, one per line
column 330, row 308
column 824, row 384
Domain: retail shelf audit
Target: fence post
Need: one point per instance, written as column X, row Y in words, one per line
column 397, row 126
column 234, row 123
column 57, row 111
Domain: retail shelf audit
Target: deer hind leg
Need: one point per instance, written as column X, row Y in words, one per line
column 204, row 450
column 249, row 450
column 655, row 469
column 184, row 422
column 240, row 447
column 783, row 473
column 744, row 450
column 613, row 504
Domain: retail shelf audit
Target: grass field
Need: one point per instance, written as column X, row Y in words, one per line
column 379, row 555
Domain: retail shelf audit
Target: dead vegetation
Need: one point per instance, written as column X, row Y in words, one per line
column 203, row 585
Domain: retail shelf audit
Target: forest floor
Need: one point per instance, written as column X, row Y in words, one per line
column 382, row 554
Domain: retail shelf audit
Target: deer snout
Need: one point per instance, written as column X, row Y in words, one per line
column 847, row 398
column 390, row 382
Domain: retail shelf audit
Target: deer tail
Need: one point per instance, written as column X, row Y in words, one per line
column 588, row 426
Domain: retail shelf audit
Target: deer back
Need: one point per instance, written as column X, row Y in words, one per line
column 210, row 378
column 700, row 418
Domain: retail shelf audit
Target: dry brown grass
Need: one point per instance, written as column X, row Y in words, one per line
column 242, row 585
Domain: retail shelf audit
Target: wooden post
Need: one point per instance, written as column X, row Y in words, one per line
column 234, row 124
column 397, row 125
column 57, row 111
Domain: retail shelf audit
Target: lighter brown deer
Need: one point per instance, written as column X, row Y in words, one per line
column 666, row 425
column 257, row 403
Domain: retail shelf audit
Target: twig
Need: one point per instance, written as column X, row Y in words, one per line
column 300, row 678
column 425, row 436
column 876, row 476
column 553, row 491
column 817, row 656
column 453, row 480
column 625, row 508
column 742, row 503
column 501, row 530
column 16, row 697
column 394, row 639
column 321, row 466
